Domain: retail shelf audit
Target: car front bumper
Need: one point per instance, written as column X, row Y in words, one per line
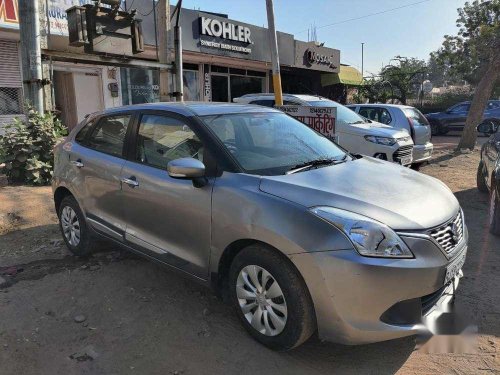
column 423, row 152
column 360, row 300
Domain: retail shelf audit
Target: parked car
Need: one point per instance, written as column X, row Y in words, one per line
column 355, row 133
column 299, row 235
column 488, row 171
column 402, row 117
column 454, row 117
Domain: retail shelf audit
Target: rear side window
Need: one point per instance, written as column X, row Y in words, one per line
column 381, row 115
column 109, row 135
column 265, row 103
column 161, row 139
column 416, row 117
column 82, row 134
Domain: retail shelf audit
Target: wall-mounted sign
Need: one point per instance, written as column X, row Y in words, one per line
column 225, row 30
column 308, row 55
column 321, row 119
column 229, row 32
column 9, row 15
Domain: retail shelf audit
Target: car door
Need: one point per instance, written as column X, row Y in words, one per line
column 97, row 156
column 456, row 115
column 167, row 218
column 420, row 127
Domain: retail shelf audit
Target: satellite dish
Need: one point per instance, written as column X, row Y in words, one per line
column 427, row 86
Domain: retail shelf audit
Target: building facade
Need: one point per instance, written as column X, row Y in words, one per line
column 222, row 59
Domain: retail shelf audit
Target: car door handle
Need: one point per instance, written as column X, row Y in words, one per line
column 77, row 163
column 132, row 182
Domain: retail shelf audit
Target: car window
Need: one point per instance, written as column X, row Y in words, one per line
column 493, row 105
column 161, row 139
column 270, row 143
column 108, row 136
column 80, row 137
column 415, row 116
column 264, row 102
column 460, row 108
column 378, row 114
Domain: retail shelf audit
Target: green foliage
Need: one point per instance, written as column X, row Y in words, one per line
column 27, row 146
column 477, row 43
column 396, row 82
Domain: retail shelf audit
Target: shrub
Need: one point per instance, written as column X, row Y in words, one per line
column 26, row 148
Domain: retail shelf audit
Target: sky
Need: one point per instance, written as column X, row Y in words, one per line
column 414, row 30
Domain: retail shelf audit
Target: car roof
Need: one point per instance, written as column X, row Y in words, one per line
column 307, row 98
column 381, row 105
column 193, row 108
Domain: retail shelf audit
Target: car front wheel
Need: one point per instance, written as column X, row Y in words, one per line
column 494, row 212
column 481, row 178
column 270, row 298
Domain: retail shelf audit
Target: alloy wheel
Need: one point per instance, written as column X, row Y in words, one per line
column 70, row 226
column 261, row 300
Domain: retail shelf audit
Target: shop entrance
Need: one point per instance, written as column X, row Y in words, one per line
column 77, row 92
column 229, row 83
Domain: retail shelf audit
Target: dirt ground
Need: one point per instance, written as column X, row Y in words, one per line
column 118, row 314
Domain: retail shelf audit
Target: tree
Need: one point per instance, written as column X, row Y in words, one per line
column 404, row 76
column 475, row 54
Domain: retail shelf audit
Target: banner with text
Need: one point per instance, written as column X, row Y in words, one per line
column 321, row 119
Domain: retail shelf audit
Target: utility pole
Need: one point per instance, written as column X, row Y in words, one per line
column 163, row 46
column 362, row 60
column 278, row 95
column 179, row 84
column 31, row 54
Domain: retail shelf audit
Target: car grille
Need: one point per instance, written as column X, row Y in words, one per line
column 403, row 152
column 449, row 235
column 430, row 300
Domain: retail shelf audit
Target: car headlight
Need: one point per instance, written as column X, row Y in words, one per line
column 370, row 237
column 386, row 141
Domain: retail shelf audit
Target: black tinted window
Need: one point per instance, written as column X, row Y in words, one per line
column 378, row 114
column 109, row 135
column 265, row 103
column 161, row 139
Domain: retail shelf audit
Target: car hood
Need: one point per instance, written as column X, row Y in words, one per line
column 396, row 196
column 374, row 128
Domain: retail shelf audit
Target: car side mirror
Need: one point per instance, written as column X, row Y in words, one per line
column 188, row 169
column 485, row 128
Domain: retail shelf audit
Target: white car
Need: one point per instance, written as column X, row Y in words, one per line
column 355, row 133
column 402, row 117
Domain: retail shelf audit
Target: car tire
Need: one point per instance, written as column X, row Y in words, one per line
column 74, row 229
column 494, row 212
column 481, row 178
column 417, row 166
column 281, row 316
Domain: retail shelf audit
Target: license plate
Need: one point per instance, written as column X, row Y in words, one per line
column 454, row 268
column 406, row 161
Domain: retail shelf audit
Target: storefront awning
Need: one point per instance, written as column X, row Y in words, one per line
column 347, row 76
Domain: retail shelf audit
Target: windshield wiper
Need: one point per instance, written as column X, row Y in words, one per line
column 315, row 163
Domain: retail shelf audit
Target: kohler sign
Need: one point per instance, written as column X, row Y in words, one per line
column 224, row 30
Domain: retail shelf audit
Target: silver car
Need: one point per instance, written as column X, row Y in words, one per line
column 298, row 235
column 402, row 117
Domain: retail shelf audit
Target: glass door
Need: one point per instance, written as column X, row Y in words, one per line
column 220, row 88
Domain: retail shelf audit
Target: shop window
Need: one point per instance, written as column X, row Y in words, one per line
column 241, row 72
column 219, row 88
column 10, row 101
column 191, row 85
column 140, row 85
column 245, row 85
column 219, row 69
column 255, row 73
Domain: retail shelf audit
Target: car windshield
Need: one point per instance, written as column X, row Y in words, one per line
column 345, row 116
column 271, row 143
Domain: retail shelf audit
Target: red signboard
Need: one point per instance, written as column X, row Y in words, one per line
column 9, row 16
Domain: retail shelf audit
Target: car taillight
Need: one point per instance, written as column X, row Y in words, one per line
column 412, row 128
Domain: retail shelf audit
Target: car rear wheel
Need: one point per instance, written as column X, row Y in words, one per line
column 270, row 298
column 74, row 227
column 481, row 178
column 494, row 212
